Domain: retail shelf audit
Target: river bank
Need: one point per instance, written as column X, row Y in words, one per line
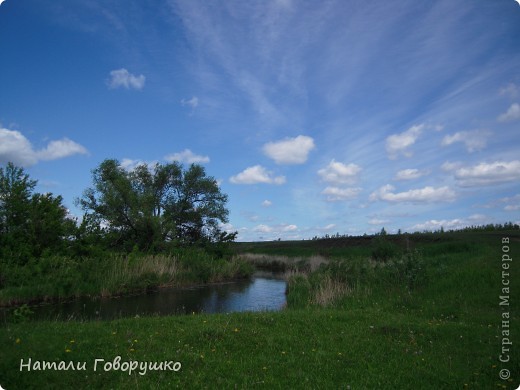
column 60, row 278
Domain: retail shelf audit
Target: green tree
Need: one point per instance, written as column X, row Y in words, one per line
column 49, row 226
column 151, row 206
column 29, row 222
column 15, row 200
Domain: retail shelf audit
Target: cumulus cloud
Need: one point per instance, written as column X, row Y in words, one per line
column 188, row 157
column 474, row 140
column 290, row 151
column 397, row 144
column 485, row 174
column 336, row 194
column 16, row 148
column 282, row 228
column 436, row 224
column 512, row 114
column 256, row 174
column 60, row 149
column 450, row 224
column 339, row 173
column 423, row 195
column 267, row 203
column 410, row 174
column 122, row 78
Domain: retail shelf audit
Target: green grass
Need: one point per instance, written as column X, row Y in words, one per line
column 58, row 277
column 379, row 332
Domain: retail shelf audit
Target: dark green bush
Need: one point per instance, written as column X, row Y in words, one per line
column 383, row 249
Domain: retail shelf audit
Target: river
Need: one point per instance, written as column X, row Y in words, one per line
column 264, row 291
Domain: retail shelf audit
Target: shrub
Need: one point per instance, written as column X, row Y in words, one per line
column 383, row 250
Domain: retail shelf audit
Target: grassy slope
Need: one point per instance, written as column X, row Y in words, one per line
column 443, row 335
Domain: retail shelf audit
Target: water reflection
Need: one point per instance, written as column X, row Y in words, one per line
column 264, row 291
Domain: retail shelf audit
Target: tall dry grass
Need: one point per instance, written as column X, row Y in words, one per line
column 329, row 291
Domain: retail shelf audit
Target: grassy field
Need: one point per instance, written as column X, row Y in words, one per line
column 424, row 318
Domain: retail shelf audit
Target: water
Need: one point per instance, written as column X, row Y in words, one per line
column 265, row 291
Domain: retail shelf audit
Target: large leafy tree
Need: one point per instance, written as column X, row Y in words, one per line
column 29, row 222
column 150, row 206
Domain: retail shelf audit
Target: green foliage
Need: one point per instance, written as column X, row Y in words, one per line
column 298, row 291
column 157, row 207
column 30, row 223
column 383, row 249
column 22, row 313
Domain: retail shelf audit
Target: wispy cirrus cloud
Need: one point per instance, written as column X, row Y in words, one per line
column 475, row 140
column 193, row 102
column 16, row 148
column 336, row 194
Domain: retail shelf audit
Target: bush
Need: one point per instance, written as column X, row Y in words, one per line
column 383, row 250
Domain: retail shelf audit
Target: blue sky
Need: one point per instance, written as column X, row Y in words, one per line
column 316, row 117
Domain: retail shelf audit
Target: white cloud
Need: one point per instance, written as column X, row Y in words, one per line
column 193, row 102
column 276, row 229
column 423, row 195
column 267, row 203
column 485, row 174
column 377, row 221
column 335, row 194
column 188, row 157
column 449, row 166
column 122, row 78
column 512, row 114
column 399, row 143
column 60, row 149
column 16, row 148
column 449, row 224
column 256, row 174
column 474, row 140
column 263, row 229
column 339, row 173
column 290, row 150
column 410, row 174
column 434, row 224
column 129, row 164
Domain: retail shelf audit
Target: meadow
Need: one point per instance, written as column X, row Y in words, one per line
column 396, row 312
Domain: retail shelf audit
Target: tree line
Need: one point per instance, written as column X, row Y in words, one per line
column 149, row 209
